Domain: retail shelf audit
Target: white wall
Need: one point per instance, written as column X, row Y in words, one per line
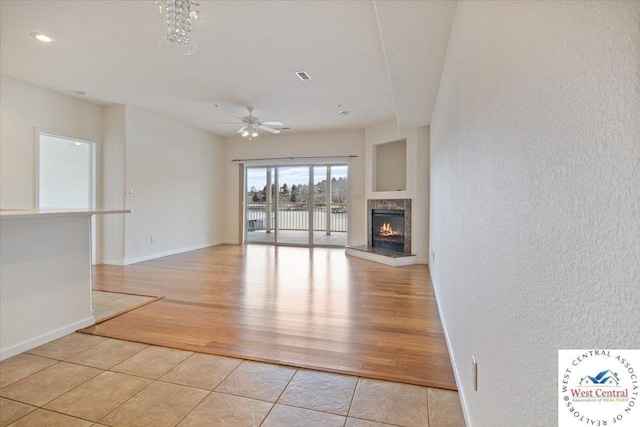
column 39, row 300
column 417, row 184
column 23, row 109
column 177, row 174
column 390, row 172
column 420, row 203
column 113, row 191
column 176, row 170
column 535, row 196
column 298, row 145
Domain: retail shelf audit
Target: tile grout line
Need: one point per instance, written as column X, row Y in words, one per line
column 120, row 405
column 17, row 401
column 194, row 407
column 112, row 366
column 49, row 401
column 353, row 395
column 279, row 396
column 318, row 410
column 75, row 354
column 17, row 381
column 428, row 407
column 153, row 380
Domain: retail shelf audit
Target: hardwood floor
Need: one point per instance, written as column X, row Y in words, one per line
column 313, row 308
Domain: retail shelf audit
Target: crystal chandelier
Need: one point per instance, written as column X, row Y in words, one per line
column 178, row 16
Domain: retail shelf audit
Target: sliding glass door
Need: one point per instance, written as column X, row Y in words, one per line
column 303, row 205
column 293, row 205
column 330, row 205
column 260, row 205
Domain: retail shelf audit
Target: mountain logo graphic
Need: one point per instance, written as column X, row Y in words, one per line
column 604, row 378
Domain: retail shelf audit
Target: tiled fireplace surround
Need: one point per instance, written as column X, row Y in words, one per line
column 393, row 204
column 386, row 256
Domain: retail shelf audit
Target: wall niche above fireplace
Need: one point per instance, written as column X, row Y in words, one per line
column 389, row 224
column 390, row 166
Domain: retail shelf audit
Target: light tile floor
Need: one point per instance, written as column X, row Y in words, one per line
column 110, row 304
column 86, row 380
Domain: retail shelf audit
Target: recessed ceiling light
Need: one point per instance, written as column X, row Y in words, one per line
column 43, row 37
column 343, row 112
column 303, row 75
column 80, row 93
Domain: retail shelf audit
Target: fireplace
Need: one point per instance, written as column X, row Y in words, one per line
column 389, row 226
column 387, row 229
column 388, row 233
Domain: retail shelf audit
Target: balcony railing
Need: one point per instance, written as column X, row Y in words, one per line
column 295, row 216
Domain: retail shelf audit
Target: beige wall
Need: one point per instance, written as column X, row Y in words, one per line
column 112, row 159
column 390, row 172
column 293, row 145
column 417, row 181
column 175, row 170
column 176, row 173
column 535, row 196
column 25, row 109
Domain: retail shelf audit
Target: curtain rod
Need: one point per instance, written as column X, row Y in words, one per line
column 292, row 158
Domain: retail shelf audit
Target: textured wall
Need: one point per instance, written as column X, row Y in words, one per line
column 113, row 191
column 177, row 173
column 535, row 201
column 40, row 300
column 23, row 109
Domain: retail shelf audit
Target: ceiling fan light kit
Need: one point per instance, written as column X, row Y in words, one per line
column 251, row 124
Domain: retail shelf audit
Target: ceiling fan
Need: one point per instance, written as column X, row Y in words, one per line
column 251, row 124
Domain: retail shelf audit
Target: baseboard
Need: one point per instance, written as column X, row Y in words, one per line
column 113, row 261
column 421, row 260
column 454, row 366
column 169, row 253
column 45, row 338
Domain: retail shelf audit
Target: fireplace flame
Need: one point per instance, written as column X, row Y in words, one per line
column 387, row 231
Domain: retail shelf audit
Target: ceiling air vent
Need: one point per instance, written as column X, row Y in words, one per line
column 303, row 75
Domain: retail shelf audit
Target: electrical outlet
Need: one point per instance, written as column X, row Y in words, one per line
column 474, row 373
column 433, row 256
column 153, row 240
column 131, row 192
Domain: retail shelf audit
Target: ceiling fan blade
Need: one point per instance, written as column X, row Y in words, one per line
column 242, row 129
column 242, row 119
column 227, row 123
column 277, row 124
column 268, row 129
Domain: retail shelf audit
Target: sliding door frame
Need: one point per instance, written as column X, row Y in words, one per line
column 311, row 165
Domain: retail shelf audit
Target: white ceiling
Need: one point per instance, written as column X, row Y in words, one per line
column 380, row 60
